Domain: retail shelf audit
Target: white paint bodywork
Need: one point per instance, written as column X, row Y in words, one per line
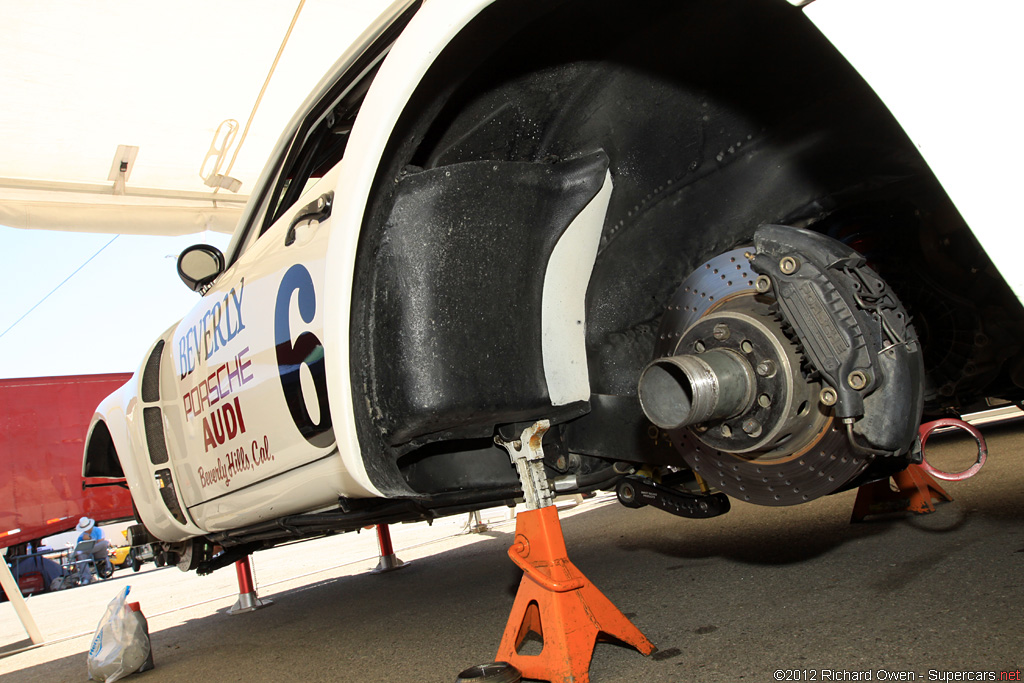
column 279, row 472
column 307, row 479
column 122, row 414
column 950, row 73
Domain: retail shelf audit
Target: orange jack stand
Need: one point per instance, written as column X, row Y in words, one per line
column 558, row 603
column 915, row 491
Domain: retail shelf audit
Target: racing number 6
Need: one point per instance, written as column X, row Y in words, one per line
column 307, row 350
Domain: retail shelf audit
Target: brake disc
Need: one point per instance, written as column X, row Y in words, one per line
column 783, row 447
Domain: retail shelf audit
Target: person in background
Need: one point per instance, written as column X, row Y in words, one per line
column 89, row 531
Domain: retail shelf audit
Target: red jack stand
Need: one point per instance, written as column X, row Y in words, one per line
column 558, row 603
column 388, row 561
column 475, row 525
column 915, row 491
column 247, row 600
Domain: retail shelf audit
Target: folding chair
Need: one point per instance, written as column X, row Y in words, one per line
column 83, row 570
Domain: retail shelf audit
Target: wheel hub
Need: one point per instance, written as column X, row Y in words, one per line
column 780, row 411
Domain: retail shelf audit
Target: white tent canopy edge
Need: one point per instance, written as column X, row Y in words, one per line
column 81, row 80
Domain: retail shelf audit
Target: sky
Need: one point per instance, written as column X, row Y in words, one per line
column 105, row 317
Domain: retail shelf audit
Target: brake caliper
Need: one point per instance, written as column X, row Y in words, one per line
column 783, row 370
column 853, row 332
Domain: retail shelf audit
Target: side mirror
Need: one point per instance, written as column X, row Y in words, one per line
column 199, row 265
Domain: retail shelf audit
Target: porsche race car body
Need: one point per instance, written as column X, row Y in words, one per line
column 495, row 212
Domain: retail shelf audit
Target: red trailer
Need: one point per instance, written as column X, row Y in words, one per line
column 43, row 424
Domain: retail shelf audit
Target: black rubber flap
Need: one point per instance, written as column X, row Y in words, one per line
column 457, row 334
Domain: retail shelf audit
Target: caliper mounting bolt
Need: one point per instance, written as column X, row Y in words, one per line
column 762, row 284
column 788, row 265
column 828, row 396
column 857, row 380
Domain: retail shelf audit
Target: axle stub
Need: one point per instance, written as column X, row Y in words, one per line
column 678, row 391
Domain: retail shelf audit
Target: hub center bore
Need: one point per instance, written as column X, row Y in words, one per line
column 734, row 380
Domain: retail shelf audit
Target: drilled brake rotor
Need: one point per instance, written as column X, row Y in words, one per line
column 783, row 472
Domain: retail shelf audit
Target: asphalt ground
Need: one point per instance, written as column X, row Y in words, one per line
column 737, row 598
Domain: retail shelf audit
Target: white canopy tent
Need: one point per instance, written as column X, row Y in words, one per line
column 83, row 83
column 85, row 86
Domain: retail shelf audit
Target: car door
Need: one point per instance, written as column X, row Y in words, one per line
column 251, row 401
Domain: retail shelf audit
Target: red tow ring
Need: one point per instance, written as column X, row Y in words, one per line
column 947, row 422
column 915, row 488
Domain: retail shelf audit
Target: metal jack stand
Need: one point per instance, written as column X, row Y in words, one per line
column 915, row 486
column 915, row 491
column 555, row 600
column 247, row 600
column 475, row 525
column 389, row 562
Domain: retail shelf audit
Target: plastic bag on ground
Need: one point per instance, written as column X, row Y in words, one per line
column 120, row 646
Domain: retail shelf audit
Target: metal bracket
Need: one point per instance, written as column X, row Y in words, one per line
column 527, row 454
column 637, row 492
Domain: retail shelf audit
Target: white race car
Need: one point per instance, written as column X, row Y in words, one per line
column 686, row 233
